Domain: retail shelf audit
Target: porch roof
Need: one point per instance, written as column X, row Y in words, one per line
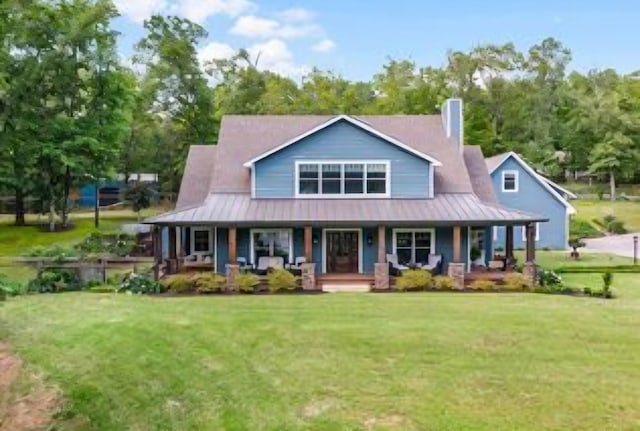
column 444, row 209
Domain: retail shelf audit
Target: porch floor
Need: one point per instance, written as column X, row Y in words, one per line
column 496, row 276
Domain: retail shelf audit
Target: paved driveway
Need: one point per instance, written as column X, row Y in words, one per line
column 622, row 245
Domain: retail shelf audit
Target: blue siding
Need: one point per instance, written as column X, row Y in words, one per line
column 532, row 197
column 275, row 175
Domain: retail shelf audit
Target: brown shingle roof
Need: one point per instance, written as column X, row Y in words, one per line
column 241, row 209
column 197, row 175
column 243, row 137
column 477, row 168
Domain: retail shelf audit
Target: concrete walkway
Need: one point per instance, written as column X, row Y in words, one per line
column 622, row 245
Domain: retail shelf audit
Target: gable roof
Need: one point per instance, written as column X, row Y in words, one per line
column 495, row 162
column 353, row 121
column 481, row 180
column 245, row 137
column 559, row 188
column 197, row 175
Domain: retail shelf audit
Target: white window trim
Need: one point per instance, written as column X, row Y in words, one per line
column 364, row 195
column 192, row 241
column 413, row 249
column 324, row 246
column 517, row 181
column 252, row 245
column 524, row 232
column 495, row 232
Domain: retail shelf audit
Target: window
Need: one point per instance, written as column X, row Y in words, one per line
column 413, row 246
column 509, row 181
column 201, row 241
column 271, row 242
column 343, row 179
column 524, row 232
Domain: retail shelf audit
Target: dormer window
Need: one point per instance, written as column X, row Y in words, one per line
column 343, row 179
column 510, row 181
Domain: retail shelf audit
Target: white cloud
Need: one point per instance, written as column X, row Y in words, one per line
column 199, row 10
column 274, row 55
column 255, row 27
column 295, row 14
column 139, row 10
column 325, row 45
column 195, row 10
column 215, row 51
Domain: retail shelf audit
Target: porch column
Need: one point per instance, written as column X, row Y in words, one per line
column 179, row 248
column 308, row 244
column 508, row 246
column 232, row 269
column 456, row 268
column 457, row 239
column 233, row 245
column 156, row 245
column 381, row 267
column 529, row 269
column 382, row 244
column 172, row 264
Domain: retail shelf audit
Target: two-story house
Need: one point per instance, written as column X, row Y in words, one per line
column 341, row 194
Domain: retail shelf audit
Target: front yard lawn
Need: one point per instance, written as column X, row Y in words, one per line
column 337, row 361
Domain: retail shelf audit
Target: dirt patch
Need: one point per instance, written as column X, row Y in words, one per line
column 385, row 422
column 26, row 403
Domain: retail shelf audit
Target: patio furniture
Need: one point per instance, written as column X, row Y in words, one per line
column 267, row 262
column 434, row 264
column 395, row 268
column 244, row 265
column 296, row 267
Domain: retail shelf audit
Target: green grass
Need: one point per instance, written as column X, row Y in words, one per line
column 582, row 188
column 627, row 212
column 340, row 361
column 556, row 258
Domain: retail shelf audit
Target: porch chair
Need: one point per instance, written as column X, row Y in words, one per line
column 434, row 264
column 395, row 268
column 297, row 263
column 266, row 262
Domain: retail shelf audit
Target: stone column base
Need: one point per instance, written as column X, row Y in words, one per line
column 232, row 271
column 308, row 276
column 530, row 271
column 456, row 271
column 381, row 271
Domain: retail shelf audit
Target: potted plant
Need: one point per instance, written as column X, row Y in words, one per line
column 475, row 254
column 575, row 243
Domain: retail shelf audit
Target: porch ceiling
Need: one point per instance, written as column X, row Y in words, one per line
column 444, row 209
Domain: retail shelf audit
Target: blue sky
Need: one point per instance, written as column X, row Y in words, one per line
column 354, row 38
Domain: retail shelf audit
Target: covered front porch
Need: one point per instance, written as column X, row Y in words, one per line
column 335, row 254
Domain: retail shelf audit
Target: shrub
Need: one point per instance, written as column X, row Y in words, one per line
column 549, row 278
column 414, row 279
column 475, row 253
column 137, row 283
column 482, row 285
column 178, row 283
column 616, row 227
column 444, row 282
column 54, row 280
column 516, row 281
column 579, row 228
column 281, row 280
column 607, row 280
column 587, row 291
column 208, row 282
column 247, row 282
column 99, row 244
column 9, row 288
column 103, row 289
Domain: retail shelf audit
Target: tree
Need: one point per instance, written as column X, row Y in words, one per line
column 139, row 196
column 178, row 87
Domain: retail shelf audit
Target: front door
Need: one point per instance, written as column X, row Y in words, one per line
column 342, row 252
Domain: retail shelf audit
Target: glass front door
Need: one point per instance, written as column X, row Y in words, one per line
column 342, row 253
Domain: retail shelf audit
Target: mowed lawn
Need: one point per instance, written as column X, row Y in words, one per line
column 627, row 212
column 440, row 361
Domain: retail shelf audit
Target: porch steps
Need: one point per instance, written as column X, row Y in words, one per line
column 345, row 282
column 345, row 287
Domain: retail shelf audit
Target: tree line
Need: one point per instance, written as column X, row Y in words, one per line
column 73, row 112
